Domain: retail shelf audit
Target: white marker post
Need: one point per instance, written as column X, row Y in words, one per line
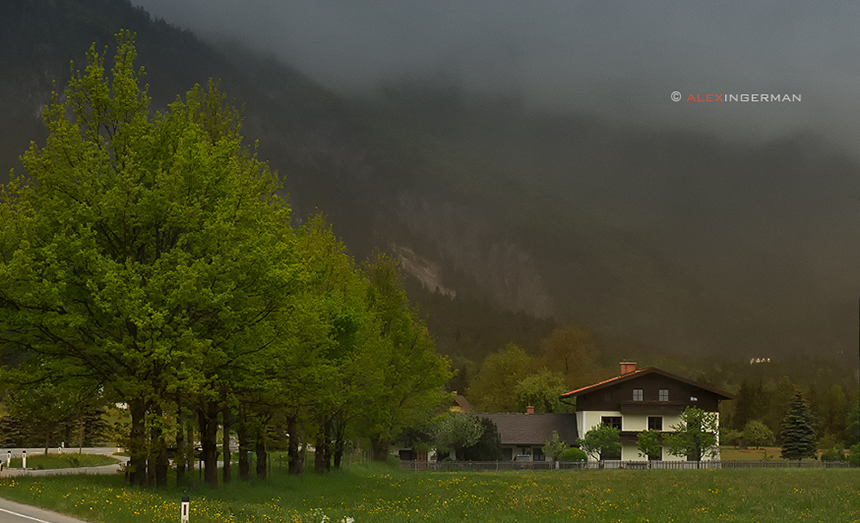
column 9, row 459
column 23, row 459
column 183, row 514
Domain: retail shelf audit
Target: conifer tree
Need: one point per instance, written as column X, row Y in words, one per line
column 798, row 435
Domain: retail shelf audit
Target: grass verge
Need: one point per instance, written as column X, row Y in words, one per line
column 385, row 494
column 64, row 461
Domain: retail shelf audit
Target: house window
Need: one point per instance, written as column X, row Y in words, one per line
column 612, row 421
column 655, row 422
column 693, row 398
column 637, row 395
column 664, row 395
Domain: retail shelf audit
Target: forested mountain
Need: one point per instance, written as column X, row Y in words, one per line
column 517, row 220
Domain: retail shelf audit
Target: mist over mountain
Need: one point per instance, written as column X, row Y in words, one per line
column 634, row 220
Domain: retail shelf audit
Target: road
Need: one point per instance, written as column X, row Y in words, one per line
column 11, row 512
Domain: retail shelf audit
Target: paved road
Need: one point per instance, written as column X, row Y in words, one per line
column 11, row 512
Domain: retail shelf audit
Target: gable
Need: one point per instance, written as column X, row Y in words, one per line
column 617, row 394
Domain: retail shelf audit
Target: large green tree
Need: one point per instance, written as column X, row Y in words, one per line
column 145, row 251
column 798, row 435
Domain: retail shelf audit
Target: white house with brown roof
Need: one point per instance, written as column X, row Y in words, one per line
column 638, row 400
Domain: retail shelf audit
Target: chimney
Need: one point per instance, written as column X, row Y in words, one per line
column 627, row 367
column 530, row 409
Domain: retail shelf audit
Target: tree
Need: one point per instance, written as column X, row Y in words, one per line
column 833, row 414
column 489, row 445
column 412, row 372
column 145, row 252
column 456, row 432
column 757, row 434
column 601, row 442
column 649, row 445
column 695, row 435
column 541, row 391
column 570, row 350
column 798, row 436
column 554, row 447
column 492, row 389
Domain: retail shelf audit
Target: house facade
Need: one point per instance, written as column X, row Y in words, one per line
column 641, row 399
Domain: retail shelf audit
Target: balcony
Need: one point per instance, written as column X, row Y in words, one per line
column 652, row 407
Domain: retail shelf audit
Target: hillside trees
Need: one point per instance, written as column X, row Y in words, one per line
column 150, row 254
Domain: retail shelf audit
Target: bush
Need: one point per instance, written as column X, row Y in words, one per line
column 572, row 454
column 836, row 453
column 854, row 455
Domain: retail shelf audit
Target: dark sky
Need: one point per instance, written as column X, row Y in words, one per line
column 620, row 60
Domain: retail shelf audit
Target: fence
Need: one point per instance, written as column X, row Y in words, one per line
column 455, row 466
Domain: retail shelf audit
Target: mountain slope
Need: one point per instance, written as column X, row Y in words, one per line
column 674, row 240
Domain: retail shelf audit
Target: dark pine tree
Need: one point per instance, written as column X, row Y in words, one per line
column 489, row 447
column 798, row 435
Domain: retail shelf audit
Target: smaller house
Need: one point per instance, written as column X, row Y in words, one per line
column 526, row 433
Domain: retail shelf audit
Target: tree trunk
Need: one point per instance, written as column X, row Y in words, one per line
column 262, row 455
column 319, row 453
column 179, row 456
column 137, row 444
column 295, row 459
column 159, row 462
column 339, row 443
column 208, row 416
column 225, row 445
column 379, row 449
column 244, row 445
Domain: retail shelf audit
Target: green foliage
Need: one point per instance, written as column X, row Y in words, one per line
column 554, row 447
column 854, row 423
column 854, row 454
column 695, row 435
column 489, row 445
column 648, row 442
column 835, row 453
column 492, row 390
column 757, row 434
column 798, row 435
column 541, row 391
column 573, row 454
column 457, row 431
column 601, row 441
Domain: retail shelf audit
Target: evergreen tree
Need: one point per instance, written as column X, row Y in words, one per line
column 798, row 436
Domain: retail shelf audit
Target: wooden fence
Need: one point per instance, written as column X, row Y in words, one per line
column 455, row 466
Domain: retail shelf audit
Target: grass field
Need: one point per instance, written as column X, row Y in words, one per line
column 64, row 461
column 386, row 494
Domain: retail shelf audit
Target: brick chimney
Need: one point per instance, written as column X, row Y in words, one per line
column 627, row 367
column 530, row 409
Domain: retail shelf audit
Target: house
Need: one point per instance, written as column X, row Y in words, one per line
column 526, row 433
column 638, row 400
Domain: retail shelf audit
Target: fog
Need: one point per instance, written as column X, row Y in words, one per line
column 780, row 244
column 619, row 60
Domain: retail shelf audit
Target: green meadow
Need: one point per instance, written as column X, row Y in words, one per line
column 63, row 461
column 386, row 494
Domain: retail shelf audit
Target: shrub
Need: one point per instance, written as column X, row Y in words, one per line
column 854, row 455
column 572, row 454
column 836, row 453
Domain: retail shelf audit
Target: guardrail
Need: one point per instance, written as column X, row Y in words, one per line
column 454, row 466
